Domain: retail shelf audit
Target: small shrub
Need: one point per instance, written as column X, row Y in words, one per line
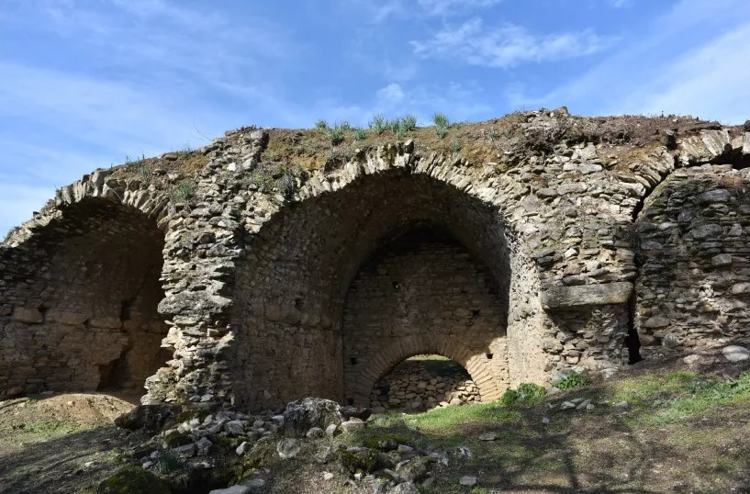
column 321, row 124
column 287, row 185
column 360, row 134
column 184, row 191
column 441, row 124
column 571, row 381
column 527, row 394
column 337, row 135
column 378, row 124
column 441, row 120
column 344, row 125
column 169, row 461
column 409, row 123
column 509, row 398
column 455, row 146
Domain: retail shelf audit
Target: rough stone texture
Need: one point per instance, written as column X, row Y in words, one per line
column 424, row 384
column 79, row 302
column 259, row 268
column 693, row 286
column 423, row 293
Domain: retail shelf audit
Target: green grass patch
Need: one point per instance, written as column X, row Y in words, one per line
column 50, row 428
column 447, row 418
column 660, row 399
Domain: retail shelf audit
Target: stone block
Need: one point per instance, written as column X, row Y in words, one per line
column 31, row 316
column 561, row 297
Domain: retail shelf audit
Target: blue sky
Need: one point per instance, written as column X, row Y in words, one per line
column 85, row 83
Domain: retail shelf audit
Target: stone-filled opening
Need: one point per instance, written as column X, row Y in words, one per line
column 423, row 382
column 420, row 290
column 83, row 313
column 291, row 326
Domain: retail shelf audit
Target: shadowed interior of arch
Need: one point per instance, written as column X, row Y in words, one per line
column 88, row 310
column 338, row 287
column 422, row 291
column 422, row 382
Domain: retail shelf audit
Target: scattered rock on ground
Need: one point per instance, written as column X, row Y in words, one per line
column 735, row 353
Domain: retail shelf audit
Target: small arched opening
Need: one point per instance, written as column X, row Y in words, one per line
column 423, row 382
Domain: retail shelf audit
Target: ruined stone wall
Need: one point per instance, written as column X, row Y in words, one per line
column 259, row 256
column 423, row 293
column 79, row 302
column 693, row 288
column 292, row 284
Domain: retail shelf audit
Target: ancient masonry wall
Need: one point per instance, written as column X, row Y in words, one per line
column 79, row 302
column 426, row 294
column 255, row 281
column 694, row 284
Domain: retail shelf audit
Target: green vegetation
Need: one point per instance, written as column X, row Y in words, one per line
column 378, row 124
column 50, row 427
column 679, row 395
column 169, row 461
column 130, row 480
column 527, row 394
column 183, row 191
column 571, row 381
column 337, row 135
column 321, row 124
column 442, row 124
column 360, row 134
column 399, row 126
column 455, row 146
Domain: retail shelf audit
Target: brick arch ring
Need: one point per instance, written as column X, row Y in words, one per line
column 475, row 363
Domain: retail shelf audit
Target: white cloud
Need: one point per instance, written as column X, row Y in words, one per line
column 666, row 70
column 387, row 9
column 507, row 45
column 392, row 93
column 710, row 81
column 447, row 7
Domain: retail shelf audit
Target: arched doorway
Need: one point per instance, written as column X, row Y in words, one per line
column 423, row 382
column 85, row 298
column 422, row 291
column 293, row 332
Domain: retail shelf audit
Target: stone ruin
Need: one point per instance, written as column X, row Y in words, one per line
column 231, row 277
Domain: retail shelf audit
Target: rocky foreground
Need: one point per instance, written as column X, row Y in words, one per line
column 675, row 427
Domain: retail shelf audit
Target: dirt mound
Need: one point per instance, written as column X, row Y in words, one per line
column 75, row 409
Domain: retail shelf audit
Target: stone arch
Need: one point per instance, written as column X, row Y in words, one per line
column 297, row 264
column 80, row 310
column 424, row 292
column 390, row 356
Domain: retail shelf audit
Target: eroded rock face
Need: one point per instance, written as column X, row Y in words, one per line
column 248, row 280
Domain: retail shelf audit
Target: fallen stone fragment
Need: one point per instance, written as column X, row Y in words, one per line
column 288, row 448
column 488, row 436
column 468, row 481
column 735, row 353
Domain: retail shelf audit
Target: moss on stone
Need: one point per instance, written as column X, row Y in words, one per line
column 133, row 480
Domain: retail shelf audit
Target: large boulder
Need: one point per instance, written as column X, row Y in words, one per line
column 301, row 416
